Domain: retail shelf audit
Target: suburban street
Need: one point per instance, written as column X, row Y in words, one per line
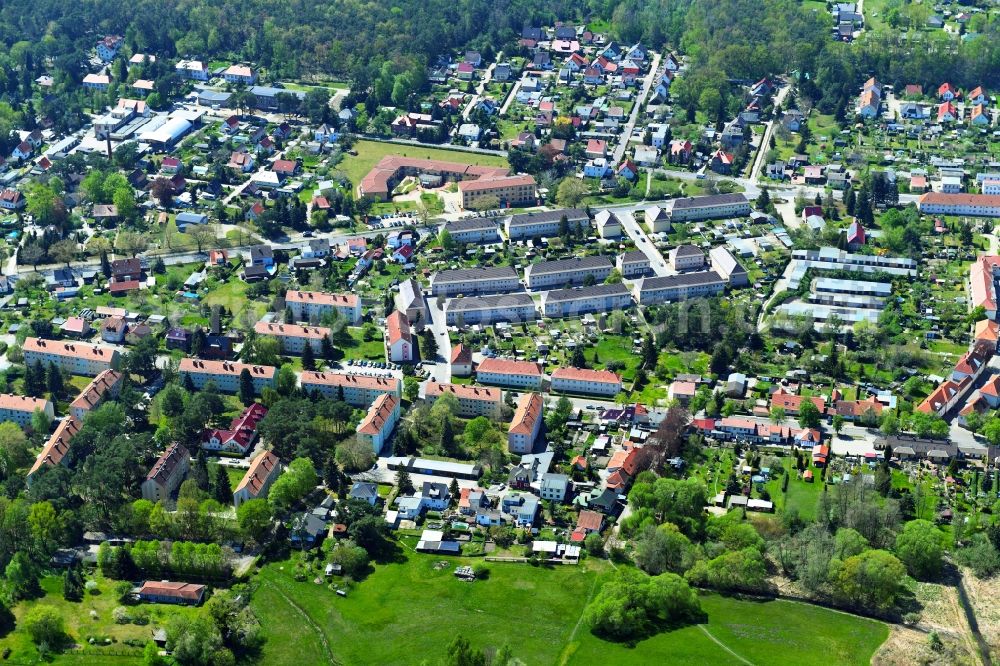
column 762, row 150
column 640, row 102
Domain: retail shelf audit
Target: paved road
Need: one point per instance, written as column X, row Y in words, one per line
column 640, row 102
column 441, row 372
column 634, row 229
column 487, row 77
column 768, row 131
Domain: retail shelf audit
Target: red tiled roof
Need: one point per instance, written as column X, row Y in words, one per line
column 504, row 366
column 529, row 411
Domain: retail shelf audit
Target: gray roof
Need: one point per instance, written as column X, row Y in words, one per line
column 410, row 293
column 688, row 251
column 475, row 274
column 682, row 280
column 710, row 200
column 474, row 224
column 363, row 490
column 267, row 91
column 635, row 256
column 573, row 264
column 470, row 303
column 572, row 214
column 596, row 291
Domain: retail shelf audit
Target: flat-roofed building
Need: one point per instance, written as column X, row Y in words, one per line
column 633, row 264
column 832, row 259
column 586, row 382
column 312, row 306
column 582, row 300
column 652, row 290
column 728, row 268
column 708, row 207
column 105, row 385
column 473, row 401
column 76, row 358
column 561, row 272
column 509, row 191
column 357, row 390
column 167, row 473
column 510, row 373
column 377, row 425
column 19, row 408
column 293, row 338
column 264, row 469
column 471, row 281
column 525, row 425
column 517, row 307
column 226, row 374
column 476, row 230
column 430, row 467
column 544, row 223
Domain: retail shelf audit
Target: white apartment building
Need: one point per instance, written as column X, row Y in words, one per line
column 294, row 338
column 473, row 401
column 471, row 281
column 544, row 223
column 652, row 290
column 167, row 473
column 708, row 207
column 561, row 272
column 77, row 358
column 264, row 469
column 686, row 258
column 973, row 205
column 357, row 390
column 586, row 382
column 527, row 421
column 312, row 306
column 19, row 408
column 226, row 374
column 514, row 374
column 379, row 422
column 582, row 300
column 477, row 230
column 516, row 307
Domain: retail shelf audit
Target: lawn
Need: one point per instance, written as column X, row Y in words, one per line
column 360, row 348
column 801, row 495
column 385, row 619
column 90, row 617
column 757, row 632
column 370, row 152
column 407, row 612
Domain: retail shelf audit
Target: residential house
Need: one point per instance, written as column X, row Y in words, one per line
column 166, row 475
column 526, row 424
column 377, row 425
column 256, row 483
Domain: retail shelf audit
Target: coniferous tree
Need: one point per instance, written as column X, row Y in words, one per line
column 308, row 358
column 54, row 380
column 200, row 471
column 223, row 490
column 247, row 393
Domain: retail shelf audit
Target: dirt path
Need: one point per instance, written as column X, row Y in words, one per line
column 722, row 645
column 312, row 623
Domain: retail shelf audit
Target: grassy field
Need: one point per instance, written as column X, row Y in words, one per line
column 91, row 617
column 772, row 632
column 370, row 152
column 407, row 613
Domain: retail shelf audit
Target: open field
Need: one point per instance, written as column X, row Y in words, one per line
column 370, row 152
column 376, row 622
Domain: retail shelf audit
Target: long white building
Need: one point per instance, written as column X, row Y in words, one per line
column 77, row 358
column 545, row 223
column 513, row 374
column 517, row 307
column 292, row 337
column 973, row 205
column 707, row 207
column 583, row 300
column 561, row 272
column 19, row 408
column 650, row 291
column 226, row 374
column 312, row 306
column 472, row 281
column 358, row 390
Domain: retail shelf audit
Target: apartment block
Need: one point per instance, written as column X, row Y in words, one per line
column 517, row 307
column 56, row 447
column 633, row 264
column 226, row 374
column 649, row 291
column 294, row 338
column 575, row 271
column 543, row 224
column 312, row 306
column 509, row 191
column 473, row 401
column 167, row 474
column 600, row 298
column 525, row 425
column 77, row 358
column 357, row 390
column 471, row 281
column 19, row 408
column 264, row 469
column 105, row 385
column 708, row 207
column 513, row 374
column 586, row 382
column 377, row 425
column 478, row 230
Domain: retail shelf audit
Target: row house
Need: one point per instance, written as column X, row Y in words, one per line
column 226, row 374
column 792, row 403
column 473, row 401
column 478, row 230
column 77, row 358
column 355, row 390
